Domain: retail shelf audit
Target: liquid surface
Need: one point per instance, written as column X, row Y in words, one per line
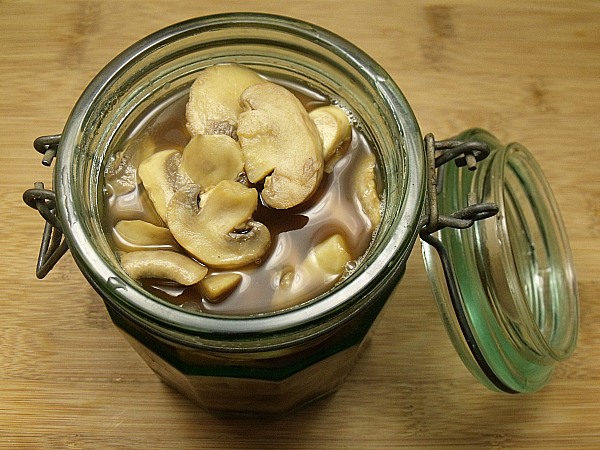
column 333, row 209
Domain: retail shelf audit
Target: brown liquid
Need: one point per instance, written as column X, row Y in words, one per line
column 334, row 208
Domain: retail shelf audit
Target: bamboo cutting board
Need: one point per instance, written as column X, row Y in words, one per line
column 526, row 70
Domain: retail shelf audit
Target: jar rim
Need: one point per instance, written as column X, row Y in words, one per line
column 399, row 240
column 540, row 278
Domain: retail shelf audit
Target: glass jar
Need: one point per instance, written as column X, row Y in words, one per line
column 267, row 363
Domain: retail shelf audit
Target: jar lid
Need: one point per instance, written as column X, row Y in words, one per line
column 505, row 287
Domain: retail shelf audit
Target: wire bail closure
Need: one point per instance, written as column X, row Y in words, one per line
column 47, row 146
column 465, row 153
column 53, row 245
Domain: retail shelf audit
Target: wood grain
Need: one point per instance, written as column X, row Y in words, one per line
column 526, row 70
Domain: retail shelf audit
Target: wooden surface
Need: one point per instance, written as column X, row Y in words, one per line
column 527, row 71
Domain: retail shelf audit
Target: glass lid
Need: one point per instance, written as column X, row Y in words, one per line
column 505, row 286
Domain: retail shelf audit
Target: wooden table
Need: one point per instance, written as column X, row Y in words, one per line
column 526, row 70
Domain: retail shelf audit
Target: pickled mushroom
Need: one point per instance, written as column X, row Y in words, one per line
column 209, row 159
column 163, row 264
column 280, row 144
column 213, row 106
column 141, row 233
column 219, row 285
column 334, row 128
column 366, row 190
column 121, row 171
column 323, row 265
column 251, row 140
column 160, row 176
column 218, row 230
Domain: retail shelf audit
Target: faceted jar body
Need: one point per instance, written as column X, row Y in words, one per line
column 263, row 363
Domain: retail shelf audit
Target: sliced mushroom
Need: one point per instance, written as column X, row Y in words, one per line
column 160, row 175
column 321, row 268
column 218, row 231
column 163, row 264
column 334, row 129
column 219, row 285
column 209, row 159
column 144, row 234
column 121, row 171
column 213, row 106
column 366, row 189
column 280, row 142
column 330, row 256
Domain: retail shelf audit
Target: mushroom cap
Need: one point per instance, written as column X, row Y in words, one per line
column 213, row 106
column 209, row 159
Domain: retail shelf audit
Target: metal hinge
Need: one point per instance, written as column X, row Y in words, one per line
column 465, row 153
column 53, row 246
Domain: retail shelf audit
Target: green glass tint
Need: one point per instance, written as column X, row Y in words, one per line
column 515, row 271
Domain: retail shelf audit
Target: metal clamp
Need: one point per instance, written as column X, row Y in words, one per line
column 47, row 146
column 53, row 246
column 464, row 153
